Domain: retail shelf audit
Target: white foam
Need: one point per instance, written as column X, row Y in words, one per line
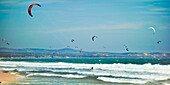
column 22, row 83
column 121, row 80
column 72, row 76
column 63, row 71
column 59, row 75
column 124, row 74
column 166, row 84
column 13, row 73
column 126, row 67
column 158, row 72
column 7, row 69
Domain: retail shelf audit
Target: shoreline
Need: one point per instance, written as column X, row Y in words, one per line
column 8, row 77
column 49, row 71
column 82, row 57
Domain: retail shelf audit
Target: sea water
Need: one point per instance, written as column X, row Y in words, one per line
column 77, row 71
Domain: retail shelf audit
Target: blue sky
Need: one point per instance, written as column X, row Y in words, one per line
column 115, row 22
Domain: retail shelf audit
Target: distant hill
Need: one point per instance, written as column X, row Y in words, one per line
column 37, row 50
column 69, row 52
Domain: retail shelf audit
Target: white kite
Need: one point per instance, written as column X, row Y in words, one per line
column 152, row 29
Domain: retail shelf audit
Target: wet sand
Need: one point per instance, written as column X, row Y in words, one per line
column 7, row 77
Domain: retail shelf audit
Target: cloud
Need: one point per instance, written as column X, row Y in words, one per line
column 160, row 9
column 164, row 26
column 7, row 2
column 22, row 3
column 163, row 13
column 154, row 10
column 101, row 27
column 5, row 10
column 7, row 5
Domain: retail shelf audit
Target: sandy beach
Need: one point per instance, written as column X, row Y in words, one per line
column 7, row 77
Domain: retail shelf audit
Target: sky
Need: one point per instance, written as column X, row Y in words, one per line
column 115, row 22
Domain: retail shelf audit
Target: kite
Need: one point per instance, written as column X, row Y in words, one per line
column 30, row 7
column 152, row 29
column 94, row 37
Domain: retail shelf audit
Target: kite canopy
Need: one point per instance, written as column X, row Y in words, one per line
column 152, row 29
column 8, row 43
column 72, row 40
column 30, row 7
column 127, row 49
column 94, row 37
column 159, row 42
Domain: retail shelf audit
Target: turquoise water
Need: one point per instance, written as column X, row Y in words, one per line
column 75, row 71
column 162, row 61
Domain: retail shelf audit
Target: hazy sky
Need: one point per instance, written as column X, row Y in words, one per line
column 115, row 22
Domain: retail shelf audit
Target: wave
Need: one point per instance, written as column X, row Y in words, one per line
column 119, row 67
column 121, row 80
column 145, row 71
column 64, row 71
column 126, row 75
column 58, row 75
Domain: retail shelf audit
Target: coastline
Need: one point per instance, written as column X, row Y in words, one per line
column 75, row 71
column 8, row 77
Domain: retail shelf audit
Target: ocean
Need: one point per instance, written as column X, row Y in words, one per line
column 77, row 71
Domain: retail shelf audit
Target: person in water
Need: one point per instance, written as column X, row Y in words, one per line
column 90, row 69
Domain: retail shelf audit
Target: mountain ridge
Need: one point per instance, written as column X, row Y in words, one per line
column 69, row 52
